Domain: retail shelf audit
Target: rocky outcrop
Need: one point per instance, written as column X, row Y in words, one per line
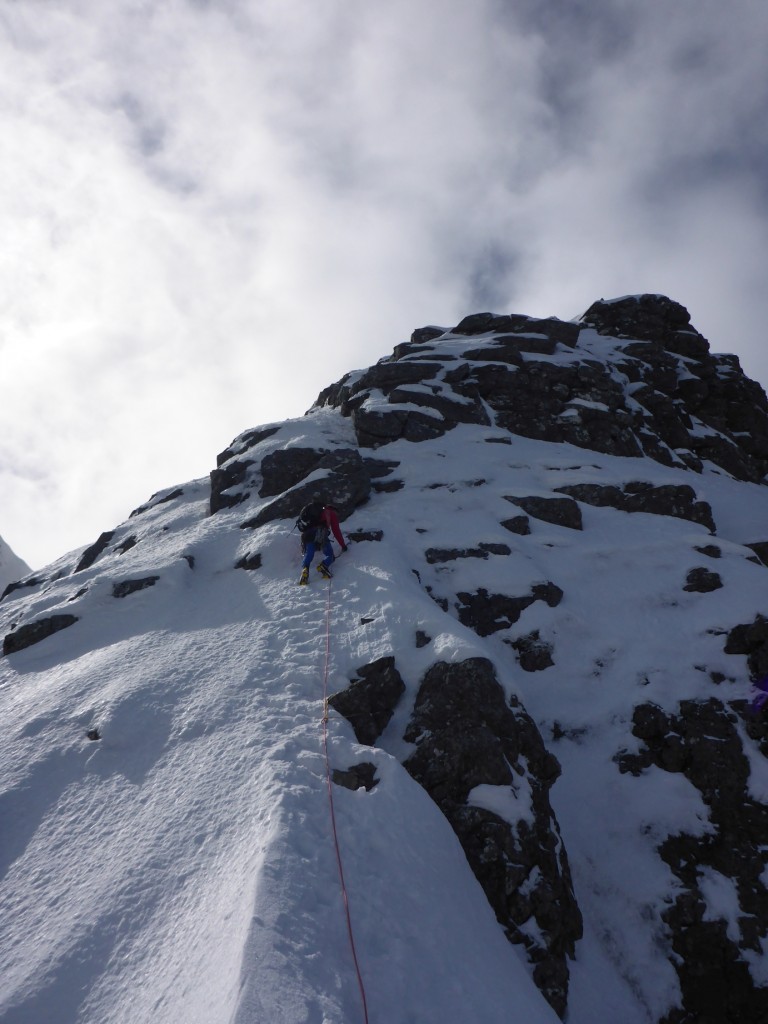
column 126, row 587
column 653, row 318
column 558, row 511
column 533, row 653
column 751, row 639
column 249, row 562
column 357, row 776
column 658, row 392
column 678, row 500
column 483, row 550
column 346, row 481
column 488, row 613
column 711, row 388
column 227, row 484
column 703, row 743
column 90, row 555
column 702, row 581
column 27, row 583
column 484, row 764
column 369, row 701
column 245, row 442
column 33, row 632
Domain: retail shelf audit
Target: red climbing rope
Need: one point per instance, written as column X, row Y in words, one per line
column 344, row 894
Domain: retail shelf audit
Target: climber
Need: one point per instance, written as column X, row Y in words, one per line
column 316, row 522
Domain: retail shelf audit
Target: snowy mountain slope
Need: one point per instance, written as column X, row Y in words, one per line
column 11, row 566
column 181, row 866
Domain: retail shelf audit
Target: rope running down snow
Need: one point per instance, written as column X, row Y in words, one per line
column 330, row 802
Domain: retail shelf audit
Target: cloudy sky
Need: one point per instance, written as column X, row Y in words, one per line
column 211, row 209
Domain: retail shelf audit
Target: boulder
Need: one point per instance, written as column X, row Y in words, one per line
column 533, row 653
column 702, row 581
column 357, row 776
column 558, row 511
column 369, row 701
column 488, row 613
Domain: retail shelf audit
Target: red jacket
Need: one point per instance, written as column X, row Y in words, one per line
column 331, row 520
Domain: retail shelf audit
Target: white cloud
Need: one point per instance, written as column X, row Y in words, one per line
column 212, row 211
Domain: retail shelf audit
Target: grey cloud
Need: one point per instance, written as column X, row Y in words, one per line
column 214, row 210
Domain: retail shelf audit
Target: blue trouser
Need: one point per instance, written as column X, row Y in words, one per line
column 309, row 553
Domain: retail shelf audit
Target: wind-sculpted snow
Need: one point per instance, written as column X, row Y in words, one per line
column 575, row 514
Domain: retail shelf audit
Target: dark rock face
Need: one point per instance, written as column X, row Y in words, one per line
column 357, row 776
column 647, row 318
column 483, row 550
column 752, row 640
column 369, row 701
column 702, row 742
column 230, row 479
column 517, row 524
column 347, row 482
column 90, row 554
column 552, row 330
column 702, row 581
column 287, row 467
column 761, row 550
column 559, row 511
column 668, row 500
column 534, row 654
column 663, row 394
column 127, row 587
column 713, row 389
column 488, row 613
column 467, row 736
column 157, row 499
column 33, row 632
column 249, row 562
column 27, row 582
column 224, row 482
column 363, row 535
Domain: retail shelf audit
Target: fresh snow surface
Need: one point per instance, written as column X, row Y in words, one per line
column 182, row 868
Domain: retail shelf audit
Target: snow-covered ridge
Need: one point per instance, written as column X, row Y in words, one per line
column 542, row 639
column 12, row 567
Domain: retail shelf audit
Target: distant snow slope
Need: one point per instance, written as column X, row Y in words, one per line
column 12, row 567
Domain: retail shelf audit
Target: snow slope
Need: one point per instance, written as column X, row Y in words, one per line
column 182, row 866
column 12, row 567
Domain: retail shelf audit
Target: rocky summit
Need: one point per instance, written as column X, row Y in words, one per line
column 535, row 666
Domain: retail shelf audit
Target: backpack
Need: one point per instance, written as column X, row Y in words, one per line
column 309, row 517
